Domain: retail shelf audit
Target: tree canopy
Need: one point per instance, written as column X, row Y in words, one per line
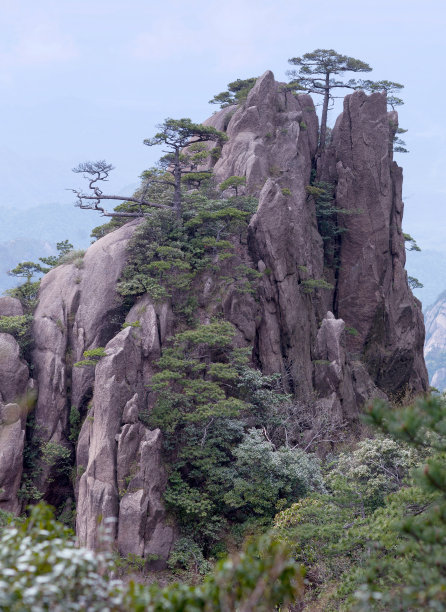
column 316, row 73
column 176, row 135
column 236, row 93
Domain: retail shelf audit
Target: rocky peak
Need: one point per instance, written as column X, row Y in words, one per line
column 372, row 294
column 339, row 330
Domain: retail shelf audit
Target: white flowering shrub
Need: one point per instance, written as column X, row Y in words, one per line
column 41, row 569
column 376, row 468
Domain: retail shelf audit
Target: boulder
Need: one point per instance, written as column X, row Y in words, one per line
column 10, row 307
column 12, row 439
column 14, row 383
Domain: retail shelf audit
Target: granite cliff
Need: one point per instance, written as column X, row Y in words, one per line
column 340, row 326
column 434, row 350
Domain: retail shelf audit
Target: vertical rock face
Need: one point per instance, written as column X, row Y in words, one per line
column 372, row 294
column 272, row 141
column 435, row 347
column 77, row 305
column 14, row 382
column 118, row 459
column 289, row 324
column 124, row 477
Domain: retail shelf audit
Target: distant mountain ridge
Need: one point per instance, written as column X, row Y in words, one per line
column 32, row 233
column 435, row 346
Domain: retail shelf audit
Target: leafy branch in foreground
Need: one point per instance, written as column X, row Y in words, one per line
column 41, row 568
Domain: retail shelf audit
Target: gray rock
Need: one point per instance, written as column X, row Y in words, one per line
column 14, row 383
column 14, row 373
column 77, row 311
column 142, row 528
column 12, row 438
column 272, row 140
column 435, row 346
column 372, row 292
column 10, row 307
column 332, row 373
column 345, row 384
column 130, row 413
column 124, row 477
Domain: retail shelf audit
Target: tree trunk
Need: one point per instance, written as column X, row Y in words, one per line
column 177, row 185
column 324, row 115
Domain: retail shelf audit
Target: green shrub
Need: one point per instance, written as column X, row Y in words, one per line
column 75, row 424
column 26, row 294
column 166, row 255
column 58, row 456
column 19, row 326
column 187, row 555
column 312, row 284
column 133, row 324
column 262, row 476
column 42, row 568
column 92, row 356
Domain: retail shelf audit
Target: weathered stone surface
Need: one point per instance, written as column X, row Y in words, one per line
column 272, row 140
column 14, row 382
column 78, row 309
column 332, row 373
column 372, row 292
column 98, row 492
column 12, row 436
column 14, row 373
column 142, row 528
column 342, row 386
column 10, row 307
column 124, row 477
column 435, row 347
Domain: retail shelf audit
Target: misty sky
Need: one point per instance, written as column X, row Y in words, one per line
column 90, row 79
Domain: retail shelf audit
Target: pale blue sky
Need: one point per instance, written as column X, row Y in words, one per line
column 90, row 79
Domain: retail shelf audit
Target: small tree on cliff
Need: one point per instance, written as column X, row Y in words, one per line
column 97, row 172
column 389, row 87
column 317, row 74
column 236, row 93
column 176, row 135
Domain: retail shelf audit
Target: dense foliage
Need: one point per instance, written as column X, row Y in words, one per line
column 167, row 254
column 236, row 93
column 375, row 540
column 222, row 472
column 41, row 568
